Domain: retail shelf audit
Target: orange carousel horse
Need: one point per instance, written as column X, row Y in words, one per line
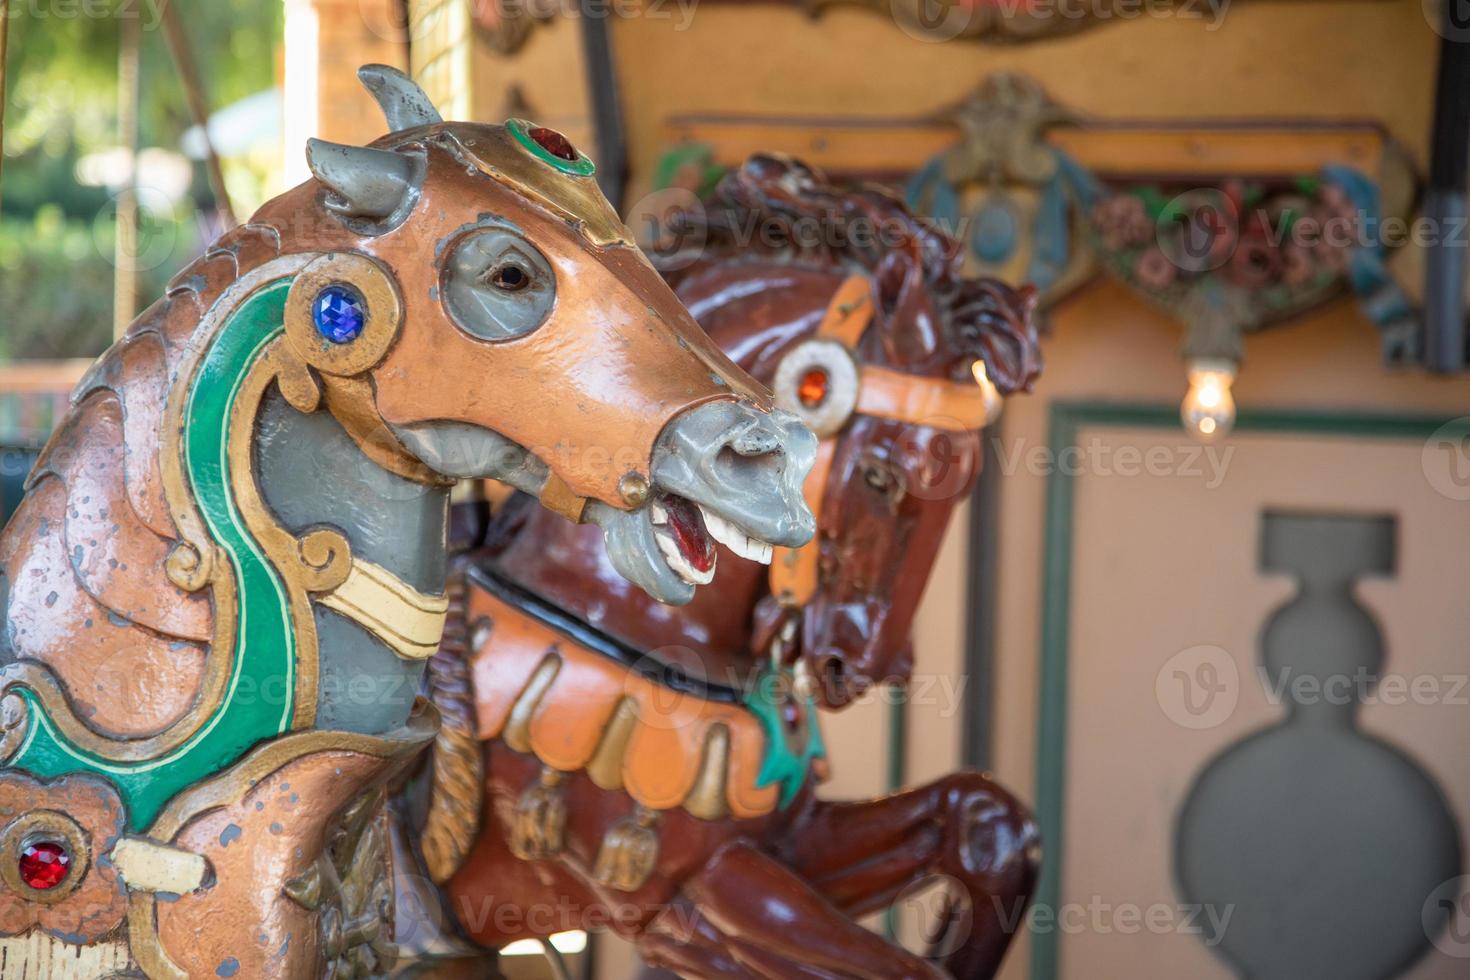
column 228, row 571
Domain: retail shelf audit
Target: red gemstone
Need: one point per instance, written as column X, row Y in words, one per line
column 812, row 389
column 554, row 143
column 43, row 865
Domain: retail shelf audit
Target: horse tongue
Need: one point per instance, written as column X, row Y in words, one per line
column 687, row 526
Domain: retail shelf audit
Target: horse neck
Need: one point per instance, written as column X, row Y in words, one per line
column 309, row 472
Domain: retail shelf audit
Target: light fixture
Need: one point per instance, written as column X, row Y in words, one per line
column 993, row 399
column 1208, row 410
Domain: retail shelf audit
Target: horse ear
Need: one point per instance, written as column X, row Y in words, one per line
column 403, row 103
column 365, row 182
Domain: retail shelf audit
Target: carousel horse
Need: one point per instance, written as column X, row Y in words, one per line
column 609, row 762
column 222, row 585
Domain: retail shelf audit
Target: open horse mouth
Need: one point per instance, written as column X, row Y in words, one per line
column 687, row 533
column 722, row 474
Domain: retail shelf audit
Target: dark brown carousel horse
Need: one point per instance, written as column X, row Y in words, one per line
column 608, row 761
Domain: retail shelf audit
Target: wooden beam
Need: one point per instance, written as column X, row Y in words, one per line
column 1136, row 150
column 42, row 377
column 125, row 250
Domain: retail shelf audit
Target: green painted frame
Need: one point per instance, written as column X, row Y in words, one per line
column 1065, row 420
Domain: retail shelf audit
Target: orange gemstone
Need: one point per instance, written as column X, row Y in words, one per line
column 812, row 390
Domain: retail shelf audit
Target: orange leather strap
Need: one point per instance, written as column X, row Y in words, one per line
column 956, row 406
column 849, row 312
column 795, row 572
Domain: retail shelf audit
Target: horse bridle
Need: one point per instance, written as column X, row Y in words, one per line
column 823, row 381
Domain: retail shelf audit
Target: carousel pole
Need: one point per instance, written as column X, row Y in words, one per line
column 125, row 253
column 4, row 48
column 178, row 46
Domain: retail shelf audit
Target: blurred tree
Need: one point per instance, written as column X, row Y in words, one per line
column 55, row 234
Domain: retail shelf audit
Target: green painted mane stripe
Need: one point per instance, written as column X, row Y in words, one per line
column 260, row 696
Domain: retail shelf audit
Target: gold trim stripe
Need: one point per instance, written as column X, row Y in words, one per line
column 406, row 619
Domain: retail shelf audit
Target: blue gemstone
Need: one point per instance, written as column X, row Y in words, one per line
column 339, row 314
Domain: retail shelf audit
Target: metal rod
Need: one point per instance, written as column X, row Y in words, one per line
column 982, row 607
column 125, row 254
column 1445, row 203
column 183, row 55
column 607, row 116
column 555, row 961
column 4, row 63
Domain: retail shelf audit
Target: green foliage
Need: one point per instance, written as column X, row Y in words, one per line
column 56, row 272
column 56, row 279
column 63, row 67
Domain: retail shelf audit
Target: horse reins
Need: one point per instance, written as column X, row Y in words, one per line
column 824, row 383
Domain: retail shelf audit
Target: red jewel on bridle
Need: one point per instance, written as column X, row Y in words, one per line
column 554, row 143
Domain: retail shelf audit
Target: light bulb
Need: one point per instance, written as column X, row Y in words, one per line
column 993, row 399
column 1208, row 410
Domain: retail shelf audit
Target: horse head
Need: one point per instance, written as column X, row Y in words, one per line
column 478, row 297
column 898, row 368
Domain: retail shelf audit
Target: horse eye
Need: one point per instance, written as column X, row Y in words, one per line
column 509, row 277
column 878, row 477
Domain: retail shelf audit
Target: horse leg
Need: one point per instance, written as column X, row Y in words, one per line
column 752, row 912
column 863, row 855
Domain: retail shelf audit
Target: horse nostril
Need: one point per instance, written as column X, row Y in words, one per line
column 755, row 441
column 831, row 675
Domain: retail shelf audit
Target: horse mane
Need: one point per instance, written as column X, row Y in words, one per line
column 779, row 209
column 89, row 541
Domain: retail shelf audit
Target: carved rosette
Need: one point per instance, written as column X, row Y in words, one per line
column 1235, row 256
column 81, row 817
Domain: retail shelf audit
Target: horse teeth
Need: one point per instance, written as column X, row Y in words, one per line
column 727, row 534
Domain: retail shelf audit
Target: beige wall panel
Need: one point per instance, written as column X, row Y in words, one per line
column 1107, row 344
column 857, row 748
column 1190, row 557
column 549, row 74
column 936, row 711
